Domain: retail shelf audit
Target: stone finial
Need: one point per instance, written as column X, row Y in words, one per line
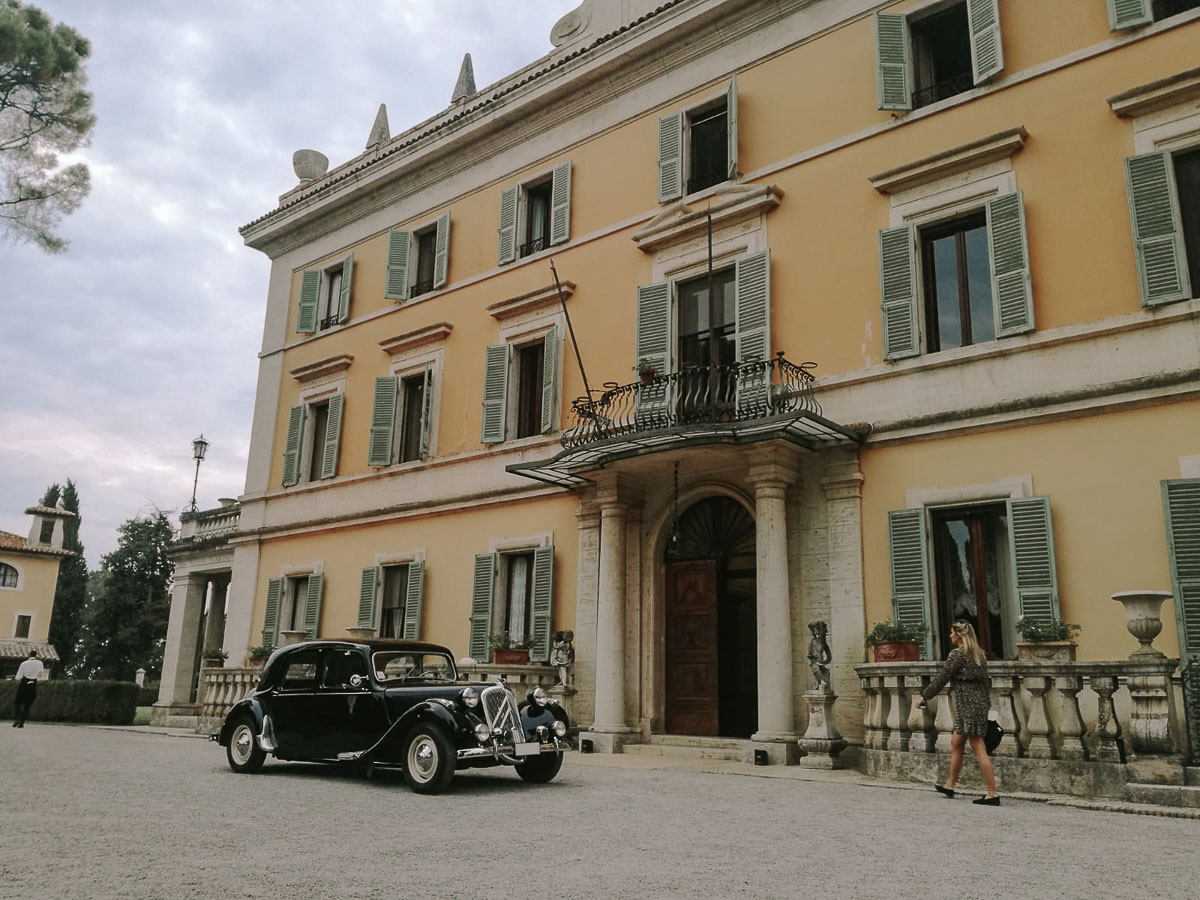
column 309, row 165
column 380, row 133
column 466, row 81
column 571, row 25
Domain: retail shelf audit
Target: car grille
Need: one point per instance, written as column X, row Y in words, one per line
column 500, row 711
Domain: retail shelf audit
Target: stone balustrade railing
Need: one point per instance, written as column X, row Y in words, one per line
column 209, row 523
column 1049, row 710
column 220, row 688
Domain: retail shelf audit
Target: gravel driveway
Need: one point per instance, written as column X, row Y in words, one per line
column 108, row 813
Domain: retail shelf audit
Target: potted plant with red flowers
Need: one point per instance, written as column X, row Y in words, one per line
column 508, row 650
column 894, row 642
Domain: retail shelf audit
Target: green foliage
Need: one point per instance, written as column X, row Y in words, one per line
column 45, row 111
column 893, row 631
column 126, row 619
column 148, row 694
column 70, row 594
column 98, row 702
column 215, row 653
column 502, row 640
column 1039, row 631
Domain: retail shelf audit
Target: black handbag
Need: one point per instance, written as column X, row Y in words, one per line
column 994, row 735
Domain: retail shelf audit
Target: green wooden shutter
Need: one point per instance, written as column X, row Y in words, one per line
column 1181, row 506
column 911, row 596
column 549, row 378
column 752, row 314
column 1124, row 14
column 898, row 287
column 399, row 248
column 426, row 411
column 892, row 74
column 508, row 225
column 333, row 436
column 270, row 634
column 481, row 606
column 731, row 127
column 1157, row 229
column 1031, row 552
column 542, row 604
column 495, row 394
column 368, row 589
column 347, row 282
column 413, row 600
column 987, row 50
column 310, row 295
column 560, row 204
column 670, row 157
column 383, row 421
column 1008, row 252
column 441, row 252
column 653, row 343
column 291, row 448
column 312, row 605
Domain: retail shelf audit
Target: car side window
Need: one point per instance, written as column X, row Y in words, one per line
column 301, row 672
column 340, row 665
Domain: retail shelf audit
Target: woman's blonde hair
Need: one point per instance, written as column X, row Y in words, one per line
column 970, row 644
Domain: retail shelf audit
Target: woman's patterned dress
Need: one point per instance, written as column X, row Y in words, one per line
column 969, row 681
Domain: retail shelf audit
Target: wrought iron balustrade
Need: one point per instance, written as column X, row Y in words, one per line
column 949, row 87
column 531, row 247
column 739, row 392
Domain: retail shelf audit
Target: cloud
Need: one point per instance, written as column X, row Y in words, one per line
column 114, row 355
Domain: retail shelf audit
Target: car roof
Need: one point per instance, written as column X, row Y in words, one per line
column 376, row 644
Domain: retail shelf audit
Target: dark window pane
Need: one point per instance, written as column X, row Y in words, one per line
column 320, row 417
column 710, row 149
column 332, row 298
column 413, row 398
column 22, row 630
column 979, row 285
column 945, row 268
column 696, row 313
column 1187, row 182
column 941, row 47
column 1164, row 8
column 425, row 252
column 969, row 547
column 537, row 218
column 529, row 390
column 395, row 589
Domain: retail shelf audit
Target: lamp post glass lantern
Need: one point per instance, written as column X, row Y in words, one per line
column 199, row 448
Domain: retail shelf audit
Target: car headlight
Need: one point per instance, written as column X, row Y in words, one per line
column 560, row 727
column 539, row 696
column 482, row 733
column 470, row 697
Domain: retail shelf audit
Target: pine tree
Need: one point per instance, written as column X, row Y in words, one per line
column 70, row 594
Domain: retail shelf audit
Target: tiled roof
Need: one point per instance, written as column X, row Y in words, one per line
column 18, row 648
column 396, row 147
column 18, row 544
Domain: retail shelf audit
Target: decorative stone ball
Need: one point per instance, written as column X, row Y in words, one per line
column 309, row 165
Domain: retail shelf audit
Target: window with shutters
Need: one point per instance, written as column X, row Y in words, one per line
column 697, row 147
column 513, row 612
column 520, row 395
column 1124, row 14
column 514, row 594
column 412, row 417
column 935, row 52
column 1164, row 203
column 423, row 272
column 957, row 283
column 970, row 568
column 535, row 214
column 529, row 362
column 325, row 297
column 391, row 601
column 313, row 442
column 9, row 577
column 418, row 261
column 295, row 601
column 391, row 595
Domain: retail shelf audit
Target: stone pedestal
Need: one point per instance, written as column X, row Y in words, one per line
column 821, row 742
column 361, row 634
column 287, row 638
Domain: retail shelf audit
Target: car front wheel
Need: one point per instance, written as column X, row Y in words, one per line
column 243, row 752
column 540, row 769
column 429, row 760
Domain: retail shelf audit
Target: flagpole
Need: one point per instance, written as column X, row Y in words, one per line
column 579, row 359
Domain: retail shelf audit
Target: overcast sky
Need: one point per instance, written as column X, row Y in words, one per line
column 115, row 354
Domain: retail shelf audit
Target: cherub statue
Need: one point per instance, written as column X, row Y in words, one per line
column 562, row 653
column 819, row 655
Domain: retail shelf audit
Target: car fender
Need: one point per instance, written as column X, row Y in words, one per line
column 533, row 715
column 246, row 705
column 427, row 711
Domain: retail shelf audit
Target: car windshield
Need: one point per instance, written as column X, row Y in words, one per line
column 405, row 667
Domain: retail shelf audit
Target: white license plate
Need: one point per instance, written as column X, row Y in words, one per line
column 527, row 748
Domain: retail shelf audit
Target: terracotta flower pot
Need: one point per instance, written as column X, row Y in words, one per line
column 895, row 651
column 1046, row 651
column 510, row 656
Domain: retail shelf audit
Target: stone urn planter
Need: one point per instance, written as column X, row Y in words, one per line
column 214, row 662
column 361, row 634
column 309, row 165
column 895, row 651
column 287, row 638
column 1143, row 612
column 1046, row 651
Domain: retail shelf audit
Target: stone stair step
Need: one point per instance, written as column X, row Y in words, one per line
column 688, row 740
column 680, row 751
column 1191, row 776
column 192, row 722
column 1164, row 794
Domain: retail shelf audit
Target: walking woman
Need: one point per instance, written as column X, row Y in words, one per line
column 966, row 670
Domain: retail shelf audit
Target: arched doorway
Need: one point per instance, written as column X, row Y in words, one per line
column 711, row 641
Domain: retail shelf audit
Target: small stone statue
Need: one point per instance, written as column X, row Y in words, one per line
column 819, row 655
column 562, row 653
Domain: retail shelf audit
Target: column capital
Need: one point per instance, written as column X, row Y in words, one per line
column 614, row 489
column 843, row 477
column 774, row 463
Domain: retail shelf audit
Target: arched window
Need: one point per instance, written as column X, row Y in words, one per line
column 8, row 576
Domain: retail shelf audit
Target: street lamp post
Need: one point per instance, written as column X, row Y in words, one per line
column 199, row 448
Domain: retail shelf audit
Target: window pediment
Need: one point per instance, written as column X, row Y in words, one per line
column 322, row 368
column 727, row 204
column 534, row 301
column 1157, row 95
column 413, row 340
column 954, row 161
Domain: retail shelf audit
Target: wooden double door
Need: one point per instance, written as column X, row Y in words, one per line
column 710, row 641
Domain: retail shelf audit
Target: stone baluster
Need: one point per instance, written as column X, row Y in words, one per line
column 943, row 721
column 883, row 709
column 897, row 720
column 1069, row 723
column 1150, row 716
column 1005, row 689
column 1110, row 745
column 1040, row 745
column 920, row 719
column 869, row 713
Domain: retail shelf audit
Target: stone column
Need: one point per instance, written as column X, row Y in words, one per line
column 214, row 625
column 610, row 716
column 772, row 471
column 586, row 601
column 183, row 632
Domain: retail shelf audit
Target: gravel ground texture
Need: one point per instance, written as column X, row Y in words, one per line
column 92, row 812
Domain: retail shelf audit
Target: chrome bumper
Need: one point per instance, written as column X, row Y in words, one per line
column 506, row 751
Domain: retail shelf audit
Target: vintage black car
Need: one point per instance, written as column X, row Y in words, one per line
column 390, row 703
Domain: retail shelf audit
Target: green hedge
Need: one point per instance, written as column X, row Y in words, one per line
column 148, row 695
column 98, row 702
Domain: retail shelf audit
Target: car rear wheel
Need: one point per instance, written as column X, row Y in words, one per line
column 540, row 769
column 244, row 755
column 429, row 760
